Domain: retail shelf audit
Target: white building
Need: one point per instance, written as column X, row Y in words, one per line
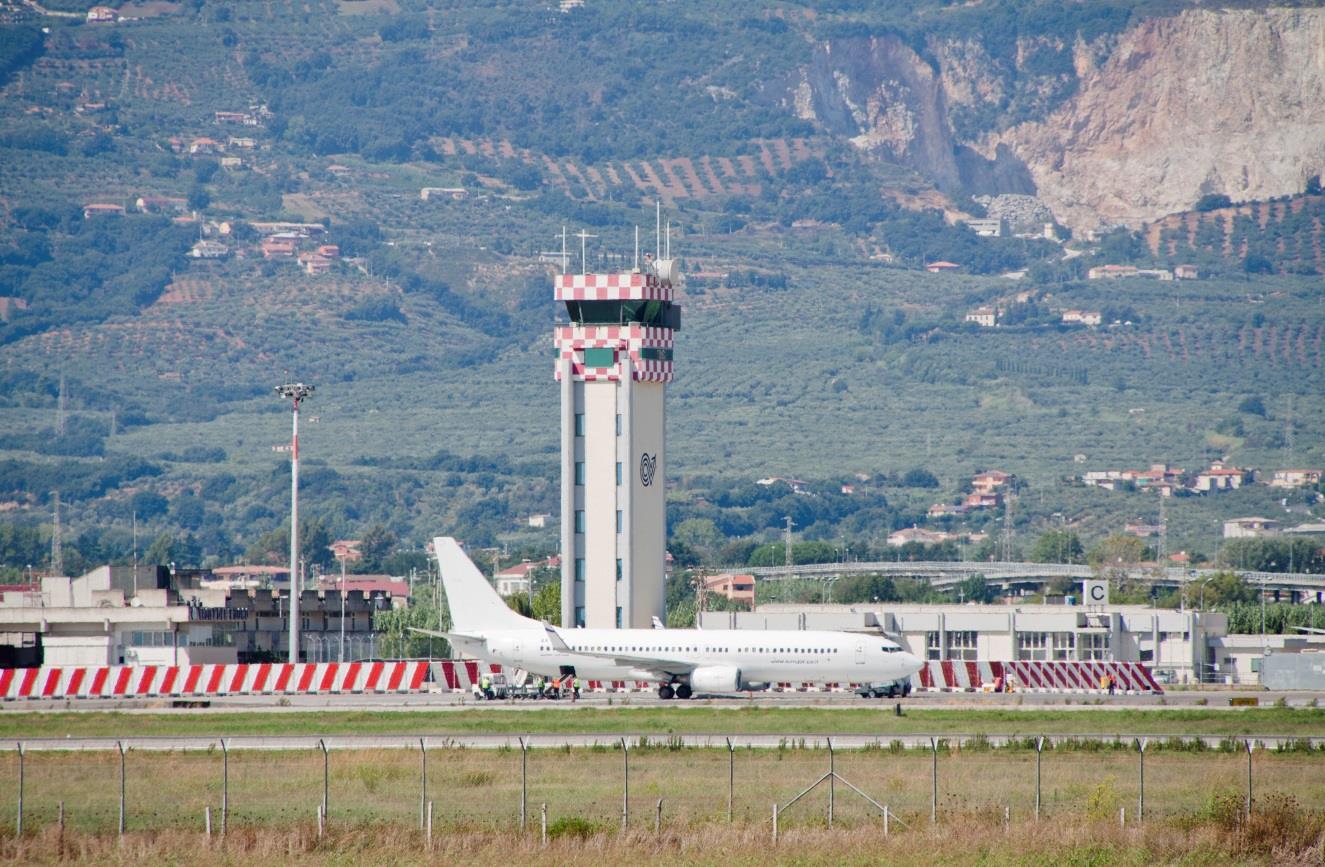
column 1250, row 528
column 112, row 616
column 614, row 361
column 1175, row 644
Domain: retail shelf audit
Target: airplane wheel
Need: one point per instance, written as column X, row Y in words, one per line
column 683, row 690
column 665, row 692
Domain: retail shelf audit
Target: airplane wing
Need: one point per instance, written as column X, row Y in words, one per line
column 657, row 665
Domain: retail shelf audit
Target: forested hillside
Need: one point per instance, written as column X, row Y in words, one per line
column 203, row 199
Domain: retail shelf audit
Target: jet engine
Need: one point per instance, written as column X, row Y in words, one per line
column 716, row 678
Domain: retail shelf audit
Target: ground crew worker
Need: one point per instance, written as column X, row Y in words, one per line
column 473, row 687
column 485, row 685
column 575, row 687
column 539, row 686
column 555, row 691
column 1113, row 683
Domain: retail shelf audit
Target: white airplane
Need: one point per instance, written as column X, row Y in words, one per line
column 681, row 661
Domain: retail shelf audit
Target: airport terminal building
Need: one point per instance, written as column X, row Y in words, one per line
column 1178, row 646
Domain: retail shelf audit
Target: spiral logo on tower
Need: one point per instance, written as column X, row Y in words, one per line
column 648, row 465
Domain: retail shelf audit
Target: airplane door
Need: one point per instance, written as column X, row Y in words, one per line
column 860, row 653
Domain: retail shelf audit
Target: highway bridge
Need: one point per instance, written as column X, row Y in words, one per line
column 943, row 575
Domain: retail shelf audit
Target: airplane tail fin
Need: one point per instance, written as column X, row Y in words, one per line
column 475, row 606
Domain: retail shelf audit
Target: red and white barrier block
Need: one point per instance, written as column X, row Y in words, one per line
column 205, row 681
column 1025, row 675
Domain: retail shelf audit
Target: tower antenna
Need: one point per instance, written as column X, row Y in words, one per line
column 636, row 268
column 657, row 228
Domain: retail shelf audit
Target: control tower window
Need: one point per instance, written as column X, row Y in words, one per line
column 657, row 314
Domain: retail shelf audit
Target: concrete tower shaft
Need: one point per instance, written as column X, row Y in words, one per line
column 613, row 363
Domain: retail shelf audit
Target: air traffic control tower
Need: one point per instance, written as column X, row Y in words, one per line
column 614, row 361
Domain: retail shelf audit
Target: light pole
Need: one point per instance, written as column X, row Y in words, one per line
column 342, row 608
column 295, row 392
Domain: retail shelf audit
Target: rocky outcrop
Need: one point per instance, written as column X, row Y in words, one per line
column 1205, row 102
column 887, row 101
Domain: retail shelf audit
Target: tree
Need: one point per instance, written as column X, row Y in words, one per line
column 1213, row 201
column 919, row 477
column 1252, row 405
column 1117, row 549
column 547, row 603
column 375, row 547
column 1222, row 588
column 1058, row 546
column 977, row 589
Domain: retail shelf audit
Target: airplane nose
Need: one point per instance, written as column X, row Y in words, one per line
column 913, row 663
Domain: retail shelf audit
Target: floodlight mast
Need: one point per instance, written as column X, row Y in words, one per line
column 295, row 392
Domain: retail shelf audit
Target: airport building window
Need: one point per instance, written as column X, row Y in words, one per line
column 1032, row 645
column 579, row 568
column 579, row 424
column 618, row 472
column 933, row 648
column 579, row 616
column 962, row 644
column 618, row 616
column 618, row 568
column 618, row 424
column 1095, row 646
column 579, row 472
column 579, row 520
column 1065, row 645
column 618, row 520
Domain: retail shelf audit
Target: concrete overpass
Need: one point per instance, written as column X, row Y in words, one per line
column 943, row 575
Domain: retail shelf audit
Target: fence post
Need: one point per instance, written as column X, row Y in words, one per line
column 885, row 820
column 731, row 778
column 60, row 820
column 207, row 820
column 1122, row 817
column 423, row 784
column 225, row 786
column 934, row 781
column 524, row 783
column 120, row 746
column 326, row 777
column 545, row 823
column 1141, row 782
column 427, row 825
column 1250, row 746
column 832, row 781
column 321, row 820
column 657, row 819
column 775, row 823
column 20, row 788
column 625, row 784
column 1039, row 749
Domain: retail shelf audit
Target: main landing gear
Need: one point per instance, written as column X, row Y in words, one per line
column 680, row 690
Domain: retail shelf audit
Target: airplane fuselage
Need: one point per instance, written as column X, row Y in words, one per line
column 761, row 657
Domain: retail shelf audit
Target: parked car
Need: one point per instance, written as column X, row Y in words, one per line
column 885, row 689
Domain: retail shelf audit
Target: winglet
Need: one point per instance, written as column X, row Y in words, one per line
column 657, row 624
column 558, row 644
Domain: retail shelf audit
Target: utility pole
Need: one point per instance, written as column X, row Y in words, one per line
column 59, row 415
column 57, row 546
column 295, row 392
column 790, row 524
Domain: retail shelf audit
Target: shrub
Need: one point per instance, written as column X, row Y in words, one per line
column 575, row 827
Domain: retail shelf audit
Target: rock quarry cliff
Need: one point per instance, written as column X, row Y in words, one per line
column 1146, row 122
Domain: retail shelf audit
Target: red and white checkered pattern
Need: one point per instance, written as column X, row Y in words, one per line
column 631, row 339
column 202, row 681
column 1036, row 676
column 627, row 286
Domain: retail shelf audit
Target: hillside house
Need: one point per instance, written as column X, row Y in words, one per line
column 944, row 510
column 299, row 230
column 1155, row 273
column 1221, row 478
column 1110, row 272
column 207, row 249
column 1187, row 272
column 1142, row 530
column 988, row 228
column 161, row 204
column 278, row 248
column 735, row 588
column 314, row 264
column 455, row 194
column 232, row 163
column 539, row 521
column 1295, row 478
column 514, row 580
column 102, row 15
column 204, row 145
column 346, row 549
column 983, row 500
column 329, row 251
column 242, row 143
column 102, row 209
column 796, row 485
column 985, row 317
column 943, row 267
column 10, row 303
column 1250, row 528
column 990, row 480
column 1082, row 317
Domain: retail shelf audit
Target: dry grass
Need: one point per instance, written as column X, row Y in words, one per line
column 1289, row 836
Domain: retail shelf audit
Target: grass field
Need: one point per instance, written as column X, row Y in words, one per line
column 700, row 719
column 1194, row 805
